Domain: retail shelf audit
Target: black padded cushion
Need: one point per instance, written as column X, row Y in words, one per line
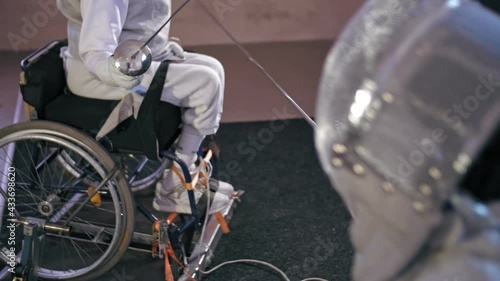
column 90, row 114
column 45, row 78
column 45, row 89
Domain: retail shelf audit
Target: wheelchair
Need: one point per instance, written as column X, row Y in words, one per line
column 78, row 192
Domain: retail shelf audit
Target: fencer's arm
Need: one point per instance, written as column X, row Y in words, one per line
column 102, row 24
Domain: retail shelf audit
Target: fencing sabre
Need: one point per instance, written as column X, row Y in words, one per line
column 134, row 58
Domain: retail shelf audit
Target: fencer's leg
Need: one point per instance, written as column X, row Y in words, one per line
column 210, row 62
column 198, row 90
column 214, row 64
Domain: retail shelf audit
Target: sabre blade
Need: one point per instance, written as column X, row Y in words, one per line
column 242, row 49
column 259, row 66
column 160, row 29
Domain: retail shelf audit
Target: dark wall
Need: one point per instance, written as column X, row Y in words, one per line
column 492, row 4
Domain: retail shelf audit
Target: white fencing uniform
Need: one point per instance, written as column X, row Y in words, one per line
column 96, row 27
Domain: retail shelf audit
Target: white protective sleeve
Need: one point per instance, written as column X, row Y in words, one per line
column 102, row 24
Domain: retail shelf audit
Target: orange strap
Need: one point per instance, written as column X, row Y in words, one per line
column 96, row 199
column 207, row 158
column 223, row 223
column 174, row 258
column 168, row 270
column 171, row 253
column 188, row 186
column 204, row 177
column 171, row 218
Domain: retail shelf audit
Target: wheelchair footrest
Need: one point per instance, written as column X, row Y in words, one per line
column 202, row 254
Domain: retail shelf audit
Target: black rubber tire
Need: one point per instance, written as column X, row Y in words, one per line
column 104, row 158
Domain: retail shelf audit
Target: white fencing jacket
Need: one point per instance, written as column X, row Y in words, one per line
column 95, row 27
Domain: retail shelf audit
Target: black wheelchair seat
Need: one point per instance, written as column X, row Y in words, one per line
column 44, row 87
column 90, row 114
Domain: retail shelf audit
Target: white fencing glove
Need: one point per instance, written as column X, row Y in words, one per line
column 119, row 79
column 101, row 65
column 174, row 52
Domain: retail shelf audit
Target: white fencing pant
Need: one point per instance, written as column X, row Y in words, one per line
column 197, row 85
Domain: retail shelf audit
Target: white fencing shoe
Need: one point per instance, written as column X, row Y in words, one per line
column 222, row 187
column 224, row 192
column 171, row 194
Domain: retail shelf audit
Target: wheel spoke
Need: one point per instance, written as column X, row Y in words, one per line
column 53, row 175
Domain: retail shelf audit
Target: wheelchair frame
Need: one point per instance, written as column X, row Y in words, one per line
column 166, row 234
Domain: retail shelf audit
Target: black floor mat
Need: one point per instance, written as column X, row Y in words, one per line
column 289, row 216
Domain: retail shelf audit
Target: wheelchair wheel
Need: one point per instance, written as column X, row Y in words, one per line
column 100, row 227
column 140, row 171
